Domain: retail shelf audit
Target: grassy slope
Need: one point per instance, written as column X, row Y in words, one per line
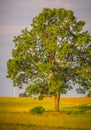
column 75, row 113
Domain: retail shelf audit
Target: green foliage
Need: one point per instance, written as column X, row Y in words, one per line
column 53, row 56
column 37, row 110
column 40, row 97
column 24, row 94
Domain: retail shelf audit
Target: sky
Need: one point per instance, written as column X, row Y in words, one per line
column 15, row 15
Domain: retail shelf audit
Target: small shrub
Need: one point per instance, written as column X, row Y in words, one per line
column 37, row 110
column 40, row 97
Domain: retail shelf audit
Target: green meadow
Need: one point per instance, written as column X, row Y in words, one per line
column 75, row 114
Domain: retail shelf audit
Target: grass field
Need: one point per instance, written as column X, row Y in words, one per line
column 75, row 114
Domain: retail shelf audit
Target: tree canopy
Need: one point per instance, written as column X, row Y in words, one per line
column 53, row 56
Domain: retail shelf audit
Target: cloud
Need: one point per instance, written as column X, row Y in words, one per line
column 56, row 3
column 13, row 29
column 88, row 25
column 21, row 12
column 8, row 29
column 16, row 12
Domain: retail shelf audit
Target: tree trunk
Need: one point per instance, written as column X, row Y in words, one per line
column 56, row 100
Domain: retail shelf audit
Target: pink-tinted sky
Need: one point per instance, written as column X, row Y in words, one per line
column 15, row 15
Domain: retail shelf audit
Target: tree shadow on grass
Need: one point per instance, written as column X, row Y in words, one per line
column 77, row 110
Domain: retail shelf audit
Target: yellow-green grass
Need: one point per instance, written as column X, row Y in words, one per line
column 11, row 104
column 75, row 114
column 55, row 121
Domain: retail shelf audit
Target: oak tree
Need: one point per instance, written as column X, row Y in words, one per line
column 53, row 56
